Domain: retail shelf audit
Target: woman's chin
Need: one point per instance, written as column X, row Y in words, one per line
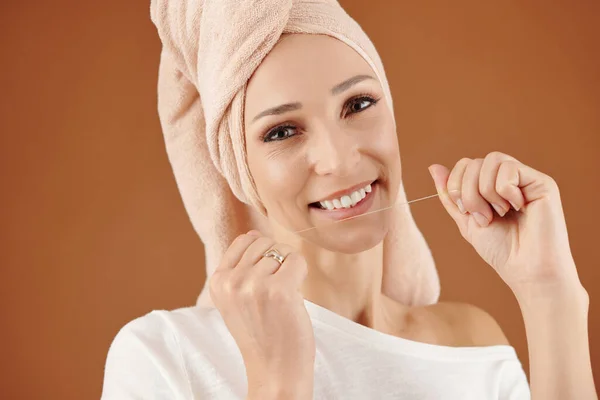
column 349, row 237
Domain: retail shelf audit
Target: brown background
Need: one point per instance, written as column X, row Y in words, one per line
column 93, row 232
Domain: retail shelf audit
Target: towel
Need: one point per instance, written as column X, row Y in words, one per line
column 210, row 50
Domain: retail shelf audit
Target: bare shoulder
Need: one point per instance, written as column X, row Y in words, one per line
column 471, row 325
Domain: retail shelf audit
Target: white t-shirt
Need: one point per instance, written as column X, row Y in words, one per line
column 189, row 354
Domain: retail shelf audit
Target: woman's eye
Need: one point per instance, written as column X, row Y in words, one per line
column 279, row 133
column 360, row 104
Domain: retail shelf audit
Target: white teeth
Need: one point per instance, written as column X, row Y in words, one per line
column 346, row 201
column 327, row 204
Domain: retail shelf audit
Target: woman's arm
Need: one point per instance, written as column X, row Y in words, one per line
column 512, row 215
column 556, row 323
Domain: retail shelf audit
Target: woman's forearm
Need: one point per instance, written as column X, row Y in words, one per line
column 556, row 323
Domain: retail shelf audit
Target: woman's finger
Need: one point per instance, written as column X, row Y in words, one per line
column 268, row 265
column 440, row 175
column 293, row 271
column 454, row 184
column 488, row 178
column 236, row 250
column 472, row 200
column 507, row 184
column 254, row 253
column 533, row 185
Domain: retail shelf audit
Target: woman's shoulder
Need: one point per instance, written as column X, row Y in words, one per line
column 153, row 353
column 468, row 324
column 167, row 326
column 166, row 334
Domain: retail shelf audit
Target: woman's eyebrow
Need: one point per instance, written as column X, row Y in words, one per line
column 348, row 83
column 337, row 89
column 283, row 108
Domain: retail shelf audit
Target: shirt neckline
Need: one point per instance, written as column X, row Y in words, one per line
column 373, row 338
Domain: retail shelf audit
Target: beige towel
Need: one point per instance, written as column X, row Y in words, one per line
column 210, row 50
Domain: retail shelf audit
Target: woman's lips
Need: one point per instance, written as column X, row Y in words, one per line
column 342, row 213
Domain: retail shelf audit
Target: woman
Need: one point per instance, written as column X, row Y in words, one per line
column 304, row 315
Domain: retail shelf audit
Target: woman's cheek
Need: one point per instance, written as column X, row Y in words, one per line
column 384, row 148
column 379, row 134
column 279, row 177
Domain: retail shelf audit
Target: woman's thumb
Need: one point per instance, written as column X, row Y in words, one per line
column 440, row 175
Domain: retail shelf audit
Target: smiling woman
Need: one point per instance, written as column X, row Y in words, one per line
column 307, row 135
column 333, row 136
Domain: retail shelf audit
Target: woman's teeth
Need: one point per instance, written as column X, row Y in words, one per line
column 347, row 201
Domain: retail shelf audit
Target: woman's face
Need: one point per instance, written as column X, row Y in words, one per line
column 319, row 136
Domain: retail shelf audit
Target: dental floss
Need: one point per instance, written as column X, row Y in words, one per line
column 373, row 212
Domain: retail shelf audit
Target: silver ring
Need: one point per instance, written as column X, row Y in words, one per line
column 274, row 254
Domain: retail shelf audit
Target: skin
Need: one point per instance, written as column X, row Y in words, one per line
column 340, row 267
column 328, row 153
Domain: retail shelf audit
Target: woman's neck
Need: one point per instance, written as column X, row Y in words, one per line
column 347, row 284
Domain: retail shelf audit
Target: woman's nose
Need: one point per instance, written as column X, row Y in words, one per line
column 335, row 152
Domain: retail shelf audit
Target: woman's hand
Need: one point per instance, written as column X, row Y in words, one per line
column 262, row 306
column 512, row 215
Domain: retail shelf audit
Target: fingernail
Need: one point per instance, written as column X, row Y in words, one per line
column 253, row 232
column 461, row 208
column 499, row 210
column 481, row 220
column 514, row 205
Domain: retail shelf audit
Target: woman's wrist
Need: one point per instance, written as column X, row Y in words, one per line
column 537, row 299
column 554, row 308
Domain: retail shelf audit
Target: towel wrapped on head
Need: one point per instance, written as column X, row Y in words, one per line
column 210, row 50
